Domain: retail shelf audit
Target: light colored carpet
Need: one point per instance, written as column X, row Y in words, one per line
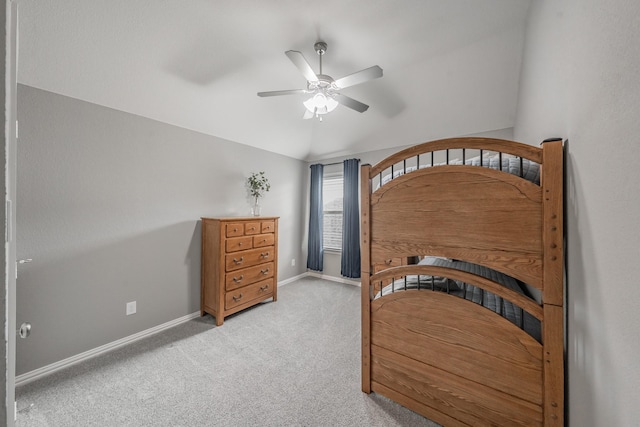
column 295, row 362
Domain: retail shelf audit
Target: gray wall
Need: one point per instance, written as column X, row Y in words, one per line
column 108, row 208
column 580, row 81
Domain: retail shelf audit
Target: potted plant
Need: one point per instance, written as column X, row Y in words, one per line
column 258, row 184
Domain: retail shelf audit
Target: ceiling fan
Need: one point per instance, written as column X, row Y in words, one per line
column 324, row 91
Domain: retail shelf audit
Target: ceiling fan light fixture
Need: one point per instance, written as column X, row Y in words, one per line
column 320, row 103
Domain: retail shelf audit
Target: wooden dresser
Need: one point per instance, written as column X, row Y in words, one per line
column 239, row 264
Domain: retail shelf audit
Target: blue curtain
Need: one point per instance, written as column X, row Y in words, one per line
column 350, row 263
column 315, row 249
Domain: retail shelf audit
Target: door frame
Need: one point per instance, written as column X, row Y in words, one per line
column 9, row 89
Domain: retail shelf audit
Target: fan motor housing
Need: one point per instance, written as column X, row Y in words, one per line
column 320, row 47
column 324, row 82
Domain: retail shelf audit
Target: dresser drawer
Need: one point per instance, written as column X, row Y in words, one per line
column 244, row 259
column 257, row 291
column 251, row 228
column 234, row 229
column 247, row 276
column 235, row 244
column 263, row 240
column 267, row 227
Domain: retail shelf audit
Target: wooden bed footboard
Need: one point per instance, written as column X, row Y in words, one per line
column 450, row 359
column 445, row 357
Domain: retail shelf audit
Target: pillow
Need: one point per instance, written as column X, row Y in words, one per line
column 432, row 260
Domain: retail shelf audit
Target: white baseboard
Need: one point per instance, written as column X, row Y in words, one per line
column 333, row 278
column 319, row 276
column 49, row 369
column 291, row 279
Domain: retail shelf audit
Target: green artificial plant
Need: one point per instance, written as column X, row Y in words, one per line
column 258, row 184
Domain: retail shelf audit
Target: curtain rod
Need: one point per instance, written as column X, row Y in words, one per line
column 334, row 163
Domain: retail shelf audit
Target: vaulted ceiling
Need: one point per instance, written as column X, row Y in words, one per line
column 451, row 67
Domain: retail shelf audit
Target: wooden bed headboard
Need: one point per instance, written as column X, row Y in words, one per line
column 475, row 214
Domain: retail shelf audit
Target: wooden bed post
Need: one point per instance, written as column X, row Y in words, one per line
column 553, row 283
column 365, row 248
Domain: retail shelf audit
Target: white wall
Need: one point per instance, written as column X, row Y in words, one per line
column 581, row 81
column 109, row 205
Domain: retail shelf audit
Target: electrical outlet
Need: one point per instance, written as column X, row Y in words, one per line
column 293, row 262
column 131, row 308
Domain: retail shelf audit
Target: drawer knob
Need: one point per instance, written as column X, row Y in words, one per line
column 267, row 228
column 264, row 255
column 235, row 230
column 237, row 298
column 238, row 261
column 238, row 279
column 264, row 288
column 253, row 228
column 265, row 272
column 388, row 262
column 239, row 243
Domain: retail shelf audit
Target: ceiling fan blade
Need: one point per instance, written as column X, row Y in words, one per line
column 307, row 114
column 299, row 61
column 359, row 77
column 351, row 103
column 283, row 92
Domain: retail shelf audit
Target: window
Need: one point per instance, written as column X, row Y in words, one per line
column 332, row 212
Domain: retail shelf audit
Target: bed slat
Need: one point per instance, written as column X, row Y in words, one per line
column 466, row 402
column 416, row 406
